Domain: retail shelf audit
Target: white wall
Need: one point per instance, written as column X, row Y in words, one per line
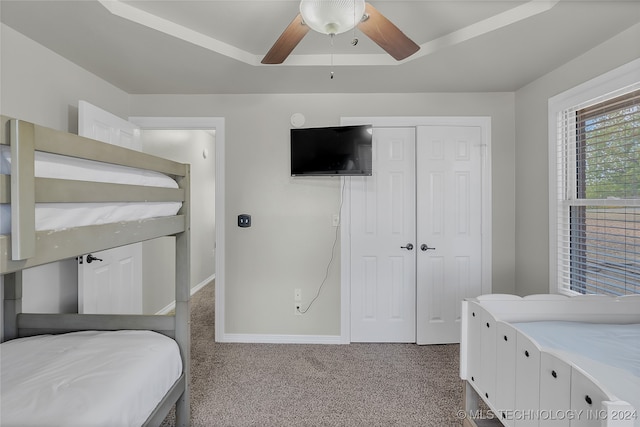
column 39, row 86
column 290, row 241
column 532, row 200
column 186, row 146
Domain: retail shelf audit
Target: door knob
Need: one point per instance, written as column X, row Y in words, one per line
column 409, row 247
column 425, row 247
column 91, row 258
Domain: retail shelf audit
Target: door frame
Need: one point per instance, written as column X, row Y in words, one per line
column 199, row 123
column 345, row 232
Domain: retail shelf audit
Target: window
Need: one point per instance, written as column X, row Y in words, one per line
column 597, row 186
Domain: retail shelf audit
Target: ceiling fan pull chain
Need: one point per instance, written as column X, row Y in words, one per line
column 331, row 35
column 354, row 41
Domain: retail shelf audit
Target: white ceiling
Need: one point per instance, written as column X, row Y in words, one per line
column 213, row 46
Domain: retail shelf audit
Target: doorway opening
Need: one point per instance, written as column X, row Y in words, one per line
column 211, row 156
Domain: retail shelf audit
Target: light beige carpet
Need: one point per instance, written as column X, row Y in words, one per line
column 318, row 385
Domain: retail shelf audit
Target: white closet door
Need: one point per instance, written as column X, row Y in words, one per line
column 383, row 229
column 426, row 191
column 112, row 283
column 449, row 225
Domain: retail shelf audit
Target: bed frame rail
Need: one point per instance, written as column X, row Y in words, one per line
column 579, row 308
column 57, row 245
column 59, row 142
column 30, row 324
column 160, row 412
column 23, row 190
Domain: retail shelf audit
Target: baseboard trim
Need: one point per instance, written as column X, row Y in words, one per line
column 202, row 284
column 169, row 308
column 280, row 339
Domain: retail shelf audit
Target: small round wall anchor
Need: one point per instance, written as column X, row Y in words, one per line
column 297, row 120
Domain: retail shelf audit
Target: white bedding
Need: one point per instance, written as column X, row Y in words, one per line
column 86, row 379
column 56, row 216
column 610, row 353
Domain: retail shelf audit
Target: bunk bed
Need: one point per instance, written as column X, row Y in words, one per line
column 115, row 361
column 551, row 360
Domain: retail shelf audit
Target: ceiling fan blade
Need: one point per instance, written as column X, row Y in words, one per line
column 287, row 41
column 386, row 34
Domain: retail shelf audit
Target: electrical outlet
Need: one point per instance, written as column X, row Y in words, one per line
column 297, row 294
column 297, row 308
column 335, row 220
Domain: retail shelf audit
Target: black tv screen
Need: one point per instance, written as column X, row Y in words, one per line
column 341, row 150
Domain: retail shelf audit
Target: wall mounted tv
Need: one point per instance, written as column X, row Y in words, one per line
column 331, row 151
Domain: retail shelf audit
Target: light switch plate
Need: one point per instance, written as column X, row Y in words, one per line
column 244, row 220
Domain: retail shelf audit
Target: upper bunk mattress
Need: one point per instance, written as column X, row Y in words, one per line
column 89, row 378
column 57, row 216
column 610, row 353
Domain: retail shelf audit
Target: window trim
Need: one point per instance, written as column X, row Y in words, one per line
column 602, row 85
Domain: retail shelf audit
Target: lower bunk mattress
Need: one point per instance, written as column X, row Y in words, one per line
column 609, row 353
column 89, row 378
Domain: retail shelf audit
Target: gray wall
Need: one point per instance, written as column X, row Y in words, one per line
column 532, row 195
column 39, row 86
column 290, row 241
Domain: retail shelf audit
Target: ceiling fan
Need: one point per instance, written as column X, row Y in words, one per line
column 337, row 16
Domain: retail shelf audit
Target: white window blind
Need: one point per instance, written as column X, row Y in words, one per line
column 598, row 195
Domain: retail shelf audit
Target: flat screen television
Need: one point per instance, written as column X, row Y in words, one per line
column 331, row 151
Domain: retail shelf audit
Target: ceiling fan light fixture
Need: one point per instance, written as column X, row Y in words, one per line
column 337, row 16
column 332, row 16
